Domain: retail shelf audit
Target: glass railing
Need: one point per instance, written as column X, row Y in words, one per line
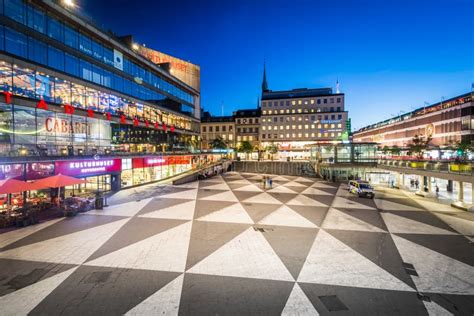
column 455, row 167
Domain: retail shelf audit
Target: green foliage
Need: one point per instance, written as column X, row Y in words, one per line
column 218, row 143
column 418, row 145
column 245, row 147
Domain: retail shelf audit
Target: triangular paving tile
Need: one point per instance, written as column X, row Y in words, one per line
column 454, row 246
column 296, row 189
column 223, row 196
column 280, row 178
column 314, row 214
column 164, row 302
column 249, row 188
column 301, row 179
column 243, row 195
column 325, row 199
column 220, row 295
column 405, row 201
column 256, row 259
column 126, row 209
column 231, row 214
column 206, row 207
column 186, row 195
column 368, row 216
column 340, row 202
column 321, row 185
column 165, row 251
column 292, row 245
column 304, row 200
column 235, row 186
column 453, row 304
column 298, row 304
column 399, row 224
column 64, row 227
column 285, row 216
column 295, row 184
column 135, row 230
column 189, row 185
column 463, row 226
column 435, row 309
column 207, row 237
column 102, row 291
column 424, row 217
column 281, row 189
column 72, row 248
column 238, row 181
column 214, row 186
column 283, row 197
column 161, row 203
column 263, row 198
column 257, row 211
column 336, row 219
column 386, row 205
column 23, row 301
column 362, row 301
column 15, row 235
column 202, row 193
column 183, row 211
column 315, row 191
column 378, row 248
column 327, row 263
column 437, row 272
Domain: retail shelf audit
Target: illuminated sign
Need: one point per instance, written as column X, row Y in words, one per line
column 183, row 70
column 88, row 167
column 153, row 161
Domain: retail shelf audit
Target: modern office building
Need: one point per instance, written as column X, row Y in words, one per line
column 294, row 119
column 445, row 122
column 70, row 90
column 213, row 127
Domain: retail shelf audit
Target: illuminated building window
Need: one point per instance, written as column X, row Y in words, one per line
column 332, row 125
column 299, row 102
column 306, row 126
column 287, row 111
column 281, row 126
column 306, row 135
column 339, row 125
column 287, row 135
column 312, row 101
column 300, row 135
column 287, row 126
column 326, row 125
column 231, row 137
column 293, row 135
column 264, row 112
column 332, row 134
column 293, row 111
column 305, row 102
column 269, row 111
column 319, row 125
column 339, row 134
column 326, row 134
column 300, row 126
column 281, row 135
column 264, row 128
column 293, row 102
column 299, row 119
column 238, row 138
column 250, row 137
column 319, row 134
column 282, row 111
column 312, row 134
column 312, row 125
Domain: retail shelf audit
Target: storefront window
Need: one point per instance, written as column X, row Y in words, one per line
column 103, row 102
column 80, row 130
column 25, row 125
column 24, row 82
column 44, row 87
column 62, row 91
column 92, row 99
column 6, row 127
column 77, row 95
column 5, row 76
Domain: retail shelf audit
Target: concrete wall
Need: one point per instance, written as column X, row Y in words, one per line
column 293, row 168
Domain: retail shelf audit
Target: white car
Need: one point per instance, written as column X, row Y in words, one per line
column 361, row 188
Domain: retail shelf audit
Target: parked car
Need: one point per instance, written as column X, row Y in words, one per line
column 361, row 188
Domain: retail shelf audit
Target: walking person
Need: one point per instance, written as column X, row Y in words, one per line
column 264, row 181
column 417, row 184
column 437, row 190
column 270, row 182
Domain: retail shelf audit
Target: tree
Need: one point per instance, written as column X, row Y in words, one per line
column 418, row 145
column 462, row 149
column 245, row 147
column 395, row 150
column 271, row 149
column 386, row 150
column 218, row 143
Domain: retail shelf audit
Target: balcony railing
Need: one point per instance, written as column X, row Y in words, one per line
column 453, row 167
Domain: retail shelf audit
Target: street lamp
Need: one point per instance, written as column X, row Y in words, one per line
column 69, row 3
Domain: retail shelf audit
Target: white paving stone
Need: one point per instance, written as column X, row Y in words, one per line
column 15, row 235
column 227, row 196
column 184, row 211
column 340, row 202
column 166, row 251
column 248, row 255
column 234, row 213
column 298, row 304
column 304, row 200
column 284, row 216
column 262, row 198
column 336, row 219
column 125, row 209
column 332, row 262
column 186, row 195
column 403, row 225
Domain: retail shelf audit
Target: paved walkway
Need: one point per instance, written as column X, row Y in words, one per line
column 225, row 246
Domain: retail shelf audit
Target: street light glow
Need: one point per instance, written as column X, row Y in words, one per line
column 68, row 3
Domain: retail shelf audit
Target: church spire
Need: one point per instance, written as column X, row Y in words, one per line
column 264, row 81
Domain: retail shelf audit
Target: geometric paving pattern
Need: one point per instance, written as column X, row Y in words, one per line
column 227, row 246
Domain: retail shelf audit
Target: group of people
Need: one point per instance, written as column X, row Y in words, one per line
column 267, row 182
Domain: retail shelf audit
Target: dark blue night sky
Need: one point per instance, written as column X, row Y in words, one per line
column 389, row 56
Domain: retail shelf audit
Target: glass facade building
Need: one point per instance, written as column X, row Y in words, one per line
column 119, row 100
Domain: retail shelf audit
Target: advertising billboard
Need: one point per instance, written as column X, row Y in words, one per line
column 185, row 71
column 84, row 168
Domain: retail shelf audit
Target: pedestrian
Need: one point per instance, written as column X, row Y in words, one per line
column 437, row 190
column 270, row 182
column 264, row 180
column 417, row 184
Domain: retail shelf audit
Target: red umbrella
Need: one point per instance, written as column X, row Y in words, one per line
column 13, row 186
column 57, row 181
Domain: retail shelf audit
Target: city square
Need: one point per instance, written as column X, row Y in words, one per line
column 269, row 157
column 225, row 245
